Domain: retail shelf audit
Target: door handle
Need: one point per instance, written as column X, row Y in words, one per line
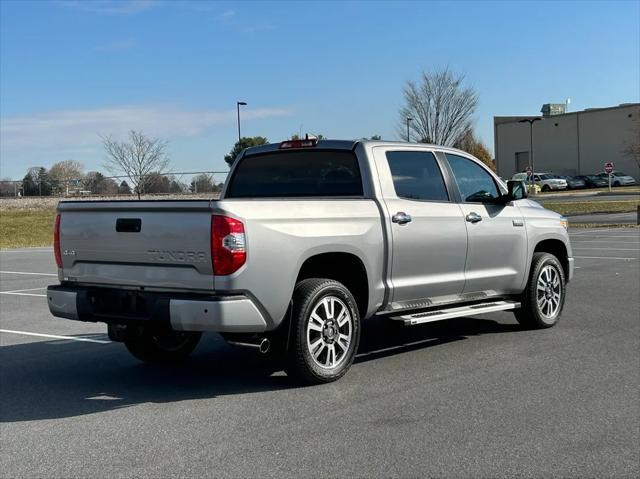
column 473, row 217
column 401, row 218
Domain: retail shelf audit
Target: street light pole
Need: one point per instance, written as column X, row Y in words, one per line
column 238, row 104
column 531, row 121
column 408, row 136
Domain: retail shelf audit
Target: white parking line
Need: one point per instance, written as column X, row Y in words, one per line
column 11, row 293
column 23, row 290
column 603, row 257
column 631, row 231
column 606, row 236
column 54, row 336
column 608, row 249
column 24, row 272
column 612, row 241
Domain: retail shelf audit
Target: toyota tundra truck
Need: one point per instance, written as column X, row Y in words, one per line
column 307, row 240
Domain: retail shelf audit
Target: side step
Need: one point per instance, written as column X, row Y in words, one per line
column 456, row 312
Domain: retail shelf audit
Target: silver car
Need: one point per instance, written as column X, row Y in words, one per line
column 546, row 181
column 619, row 178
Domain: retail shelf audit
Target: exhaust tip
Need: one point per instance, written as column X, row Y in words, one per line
column 265, row 345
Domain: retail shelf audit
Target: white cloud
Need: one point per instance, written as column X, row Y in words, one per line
column 109, row 7
column 73, row 129
column 227, row 14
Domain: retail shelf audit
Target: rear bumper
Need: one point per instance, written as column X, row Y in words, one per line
column 237, row 314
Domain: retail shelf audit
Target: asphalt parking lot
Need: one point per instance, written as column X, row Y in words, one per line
column 466, row 397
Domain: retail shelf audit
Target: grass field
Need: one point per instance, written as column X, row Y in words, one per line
column 588, row 207
column 24, row 228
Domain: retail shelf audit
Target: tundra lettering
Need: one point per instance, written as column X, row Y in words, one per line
column 177, row 256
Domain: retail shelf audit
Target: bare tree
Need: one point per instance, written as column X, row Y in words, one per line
column 440, row 108
column 474, row 146
column 63, row 173
column 203, row 183
column 137, row 158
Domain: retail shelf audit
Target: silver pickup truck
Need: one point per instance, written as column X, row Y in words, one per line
column 308, row 239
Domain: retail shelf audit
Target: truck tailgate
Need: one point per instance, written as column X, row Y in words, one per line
column 154, row 244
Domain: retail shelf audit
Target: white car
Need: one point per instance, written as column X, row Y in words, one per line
column 619, row 178
column 545, row 181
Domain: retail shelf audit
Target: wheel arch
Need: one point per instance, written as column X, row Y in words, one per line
column 557, row 248
column 346, row 268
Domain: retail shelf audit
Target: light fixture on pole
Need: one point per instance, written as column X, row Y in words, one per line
column 531, row 121
column 238, row 105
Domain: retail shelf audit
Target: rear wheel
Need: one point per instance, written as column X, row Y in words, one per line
column 325, row 331
column 616, row 184
column 543, row 299
column 162, row 346
column 546, row 188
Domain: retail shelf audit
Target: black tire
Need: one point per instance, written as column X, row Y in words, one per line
column 616, row 184
column 308, row 298
column 546, row 188
column 162, row 346
column 532, row 313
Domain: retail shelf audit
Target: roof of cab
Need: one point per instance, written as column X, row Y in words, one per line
column 344, row 145
column 327, row 144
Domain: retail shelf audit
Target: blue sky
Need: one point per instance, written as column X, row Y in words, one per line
column 72, row 70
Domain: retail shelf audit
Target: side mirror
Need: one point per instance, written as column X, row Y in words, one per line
column 517, row 190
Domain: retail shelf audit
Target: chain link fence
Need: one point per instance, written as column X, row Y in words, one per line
column 95, row 184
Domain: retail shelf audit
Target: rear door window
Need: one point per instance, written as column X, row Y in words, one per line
column 417, row 176
column 297, row 173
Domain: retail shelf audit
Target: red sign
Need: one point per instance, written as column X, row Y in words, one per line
column 528, row 171
column 608, row 168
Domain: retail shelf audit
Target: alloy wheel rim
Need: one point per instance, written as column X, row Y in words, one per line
column 329, row 332
column 548, row 291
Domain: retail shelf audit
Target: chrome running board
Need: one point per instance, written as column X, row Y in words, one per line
column 456, row 312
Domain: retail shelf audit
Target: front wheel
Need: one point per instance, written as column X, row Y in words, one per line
column 546, row 188
column 616, row 184
column 543, row 299
column 325, row 331
column 162, row 346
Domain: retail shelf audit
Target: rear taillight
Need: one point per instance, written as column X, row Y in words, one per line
column 228, row 252
column 56, row 242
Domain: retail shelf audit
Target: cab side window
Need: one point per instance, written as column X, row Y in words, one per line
column 476, row 185
column 417, row 176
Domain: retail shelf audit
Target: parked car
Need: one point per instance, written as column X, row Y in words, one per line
column 308, row 239
column 618, row 179
column 594, row 181
column 573, row 182
column 545, row 181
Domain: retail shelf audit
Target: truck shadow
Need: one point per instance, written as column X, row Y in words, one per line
column 58, row 379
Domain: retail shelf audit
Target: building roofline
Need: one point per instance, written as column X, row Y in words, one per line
column 516, row 118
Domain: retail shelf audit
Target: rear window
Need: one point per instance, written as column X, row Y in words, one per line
column 296, row 173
